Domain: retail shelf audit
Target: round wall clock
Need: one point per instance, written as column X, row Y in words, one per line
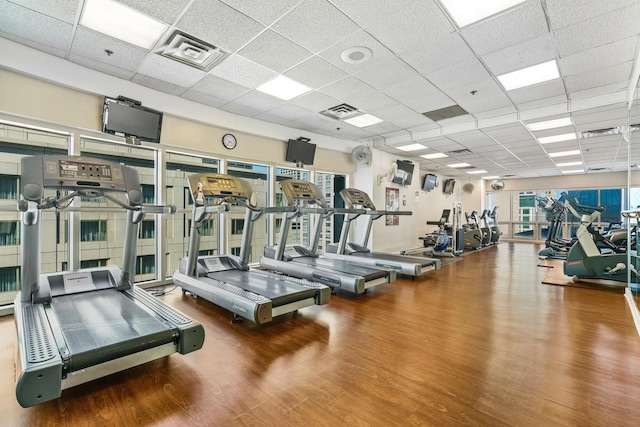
column 229, row 141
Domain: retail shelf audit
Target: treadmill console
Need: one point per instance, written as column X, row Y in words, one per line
column 297, row 190
column 353, row 198
column 76, row 173
column 217, row 185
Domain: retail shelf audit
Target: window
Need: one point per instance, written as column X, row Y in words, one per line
column 9, row 233
column 235, row 251
column 148, row 193
column 237, row 225
column 88, row 263
column 9, row 187
column 147, row 229
column 93, row 231
column 9, row 278
column 146, row 264
column 206, row 252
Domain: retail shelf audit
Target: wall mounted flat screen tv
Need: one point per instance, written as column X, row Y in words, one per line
column 448, row 186
column 300, row 152
column 404, row 172
column 429, row 182
column 130, row 119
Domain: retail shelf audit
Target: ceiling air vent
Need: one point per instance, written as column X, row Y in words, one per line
column 597, row 169
column 508, row 175
column 340, row 112
column 445, row 113
column 608, row 131
column 463, row 151
column 193, row 52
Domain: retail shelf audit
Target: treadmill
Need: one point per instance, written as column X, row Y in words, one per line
column 80, row 325
column 226, row 280
column 304, row 262
column 360, row 254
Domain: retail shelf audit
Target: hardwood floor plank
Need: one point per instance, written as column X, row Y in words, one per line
column 480, row 342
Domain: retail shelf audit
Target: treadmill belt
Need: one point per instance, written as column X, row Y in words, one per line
column 395, row 258
column 339, row 266
column 104, row 325
column 279, row 291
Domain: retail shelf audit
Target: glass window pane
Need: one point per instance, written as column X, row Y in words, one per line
column 179, row 167
column 300, row 230
column 258, row 178
column 102, row 233
column 17, row 142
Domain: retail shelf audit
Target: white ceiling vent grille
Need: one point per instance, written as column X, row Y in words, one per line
column 609, row 131
column 340, row 112
column 191, row 51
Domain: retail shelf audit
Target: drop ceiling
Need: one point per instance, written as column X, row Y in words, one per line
column 420, row 61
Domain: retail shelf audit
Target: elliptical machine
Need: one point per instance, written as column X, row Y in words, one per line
column 487, row 237
column 495, row 229
column 585, row 259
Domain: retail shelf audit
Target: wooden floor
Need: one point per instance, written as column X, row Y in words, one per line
column 480, row 342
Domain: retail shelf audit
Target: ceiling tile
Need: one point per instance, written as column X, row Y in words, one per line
column 274, row 51
column 435, row 54
column 158, row 84
column 63, row 10
column 171, row 71
column 459, row 75
column 384, row 75
column 600, row 77
column 257, row 100
column 527, row 54
column 218, row 88
column 600, row 57
column 598, row 31
column 415, row 25
column 316, row 25
column 241, row 71
column 90, row 45
column 316, row 73
column 563, row 13
column 218, row 24
column 315, row 101
column 25, row 24
column 536, row 92
column 203, row 98
column 347, row 88
column 402, row 116
column 367, row 12
column 265, row 12
column 516, row 26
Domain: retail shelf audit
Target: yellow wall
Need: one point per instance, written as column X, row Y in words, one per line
column 41, row 100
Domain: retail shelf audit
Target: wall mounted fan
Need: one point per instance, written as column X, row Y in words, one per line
column 468, row 188
column 361, row 155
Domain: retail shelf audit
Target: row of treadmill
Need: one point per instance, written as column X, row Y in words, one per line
column 589, row 254
column 79, row 325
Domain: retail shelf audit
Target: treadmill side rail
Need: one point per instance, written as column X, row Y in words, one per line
column 251, row 306
column 191, row 333
column 39, row 365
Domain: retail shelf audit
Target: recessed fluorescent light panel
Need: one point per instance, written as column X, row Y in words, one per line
column 530, row 76
column 459, row 165
column 562, row 165
column 434, row 156
column 122, row 22
column 550, row 124
column 477, row 171
column 283, row 87
column 573, row 171
column 565, row 153
column 363, row 120
column 491, row 177
column 411, row 147
column 557, row 138
column 466, row 12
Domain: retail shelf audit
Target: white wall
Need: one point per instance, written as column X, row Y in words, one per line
column 425, row 206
